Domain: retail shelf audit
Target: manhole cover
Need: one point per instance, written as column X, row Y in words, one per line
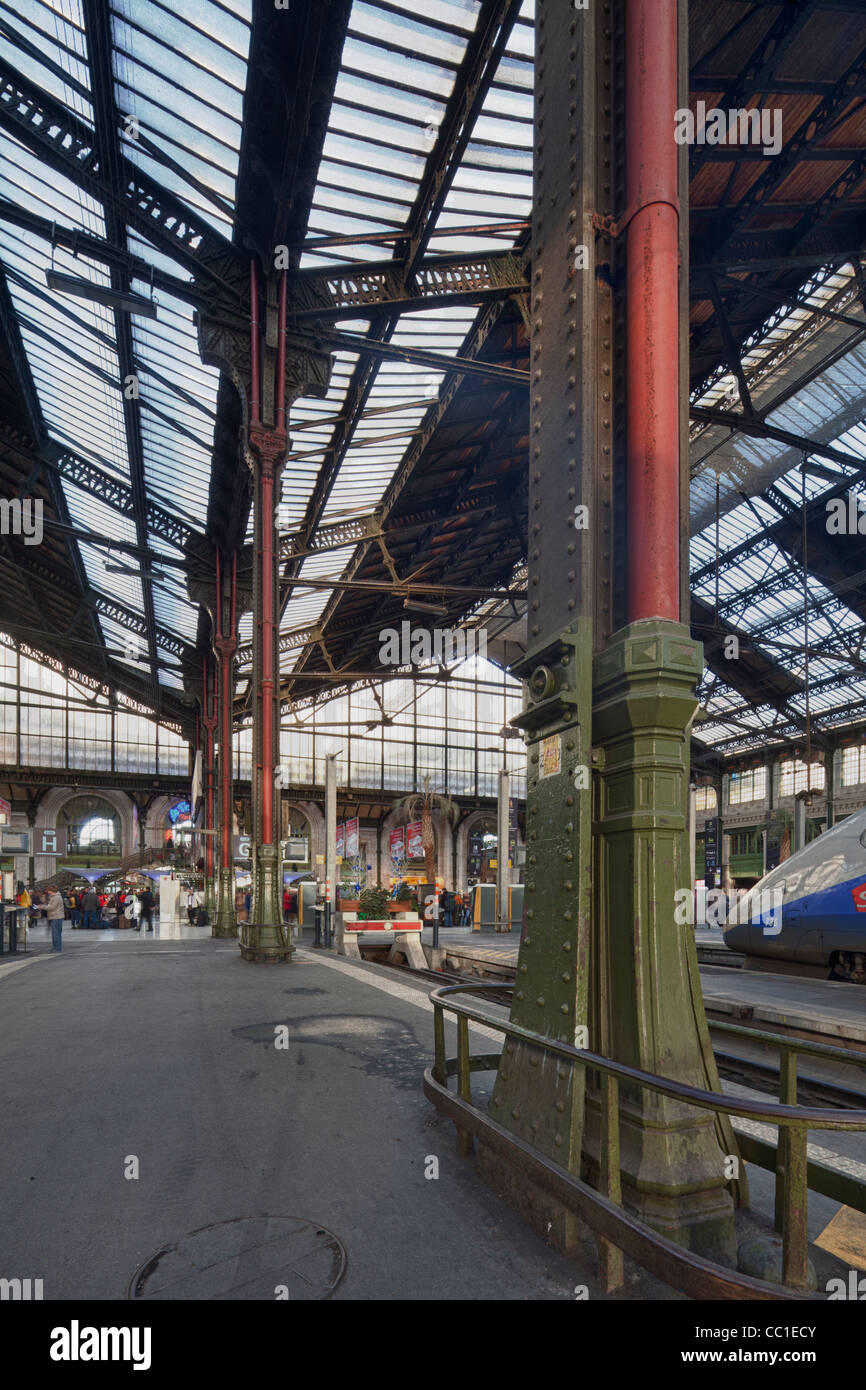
column 249, row 1258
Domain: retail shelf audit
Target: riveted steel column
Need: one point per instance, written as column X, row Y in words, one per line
column 647, row 999
column 536, row 1096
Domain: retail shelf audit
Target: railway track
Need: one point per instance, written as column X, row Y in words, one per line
column 755, row 1073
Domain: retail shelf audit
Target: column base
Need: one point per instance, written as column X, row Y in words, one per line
column 669, row 1176
column 264, row 945
column 225, row 922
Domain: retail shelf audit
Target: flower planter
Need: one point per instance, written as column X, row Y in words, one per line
column 348, row 905
column 400, row 907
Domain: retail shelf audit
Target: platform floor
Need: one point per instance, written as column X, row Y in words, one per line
column 163, row 1050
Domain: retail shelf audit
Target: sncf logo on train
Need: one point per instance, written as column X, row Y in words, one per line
column 858, row 893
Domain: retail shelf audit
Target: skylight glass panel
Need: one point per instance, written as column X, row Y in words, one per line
column 184, row 83
column 44, row 42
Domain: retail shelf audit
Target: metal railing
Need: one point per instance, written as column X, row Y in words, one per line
column 617, row 1231
column 830, row 1182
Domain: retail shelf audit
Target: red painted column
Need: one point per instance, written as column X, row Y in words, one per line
column 652, row 317
column 269, row 447
column 209, row 722
column 262, row 938
column 268, row 620
column 225, row 645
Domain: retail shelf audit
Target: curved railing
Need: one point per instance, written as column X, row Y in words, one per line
column 618, row 1232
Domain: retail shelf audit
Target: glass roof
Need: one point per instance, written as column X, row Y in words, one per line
column 760, row 584
column 371, row 175
column 179, row 74
column 179, row 81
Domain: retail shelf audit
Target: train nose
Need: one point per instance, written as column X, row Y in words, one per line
column 736, row 936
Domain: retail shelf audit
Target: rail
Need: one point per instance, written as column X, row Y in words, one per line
column 618, row 1232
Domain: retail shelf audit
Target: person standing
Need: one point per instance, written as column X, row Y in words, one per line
column 146, row 901
column 90, row 909
column 74, row 910
column 56, row 913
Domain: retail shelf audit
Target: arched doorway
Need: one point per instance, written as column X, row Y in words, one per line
column 93, row 828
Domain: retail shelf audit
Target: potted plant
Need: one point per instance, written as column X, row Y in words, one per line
column 373, row 904
column 404, row 899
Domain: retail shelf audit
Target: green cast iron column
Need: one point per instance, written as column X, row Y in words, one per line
column 649, row 1009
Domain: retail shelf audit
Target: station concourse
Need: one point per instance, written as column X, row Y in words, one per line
column 433, row 446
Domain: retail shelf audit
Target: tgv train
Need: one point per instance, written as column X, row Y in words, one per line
column 821, row 891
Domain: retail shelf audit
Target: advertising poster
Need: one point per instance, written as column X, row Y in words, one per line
column 341, row 840
column 351, row 839
column 397, row 844
column 414, row 847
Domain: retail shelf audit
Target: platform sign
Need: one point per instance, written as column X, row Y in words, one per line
column 513, row 832
column 14, row 841
column 50, row 842
column 711, row 847
column 352, row 842
column 774, row 849
column 475, row 856
column 242, row 846
column 414, row 842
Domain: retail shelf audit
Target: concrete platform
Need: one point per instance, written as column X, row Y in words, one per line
column 817, row 1010
column 826, row 1011
column 146, row 1098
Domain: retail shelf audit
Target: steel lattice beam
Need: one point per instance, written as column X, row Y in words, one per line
column 382, row 285
column 65, row 143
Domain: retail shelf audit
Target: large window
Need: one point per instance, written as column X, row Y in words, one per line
column 854, row 765
column 90, row 739
column 793, row 777
column 706, row 799
column 750, row 785
column 134, row 743
column 392, row 735
column 51, row 716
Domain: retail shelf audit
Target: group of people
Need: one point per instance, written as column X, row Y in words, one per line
column 84, row 911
